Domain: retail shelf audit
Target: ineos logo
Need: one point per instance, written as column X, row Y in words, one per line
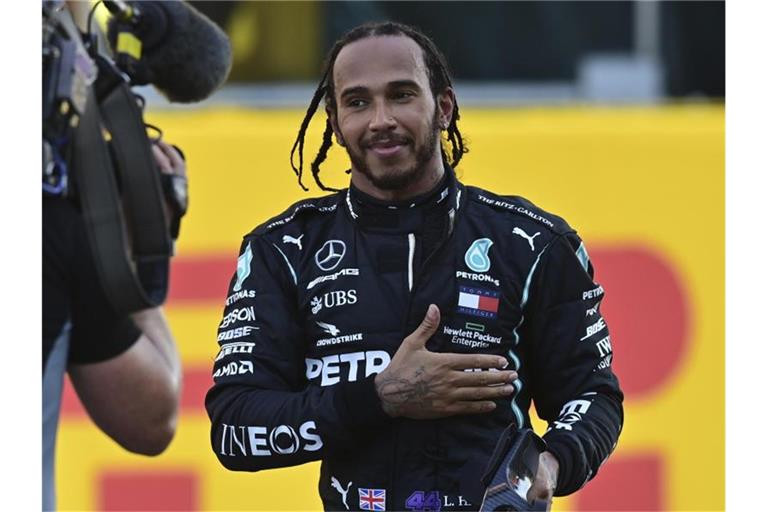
column 330, row 254
column 293, row 439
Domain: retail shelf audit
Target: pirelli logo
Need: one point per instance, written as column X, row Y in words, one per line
column 238, row 347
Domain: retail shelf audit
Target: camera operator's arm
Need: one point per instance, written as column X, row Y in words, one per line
column 126, row 371
column 134, row 397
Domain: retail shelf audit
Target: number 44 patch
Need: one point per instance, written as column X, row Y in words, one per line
column 423, row 501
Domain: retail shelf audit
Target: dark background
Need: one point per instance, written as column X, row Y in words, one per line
column 520, row 42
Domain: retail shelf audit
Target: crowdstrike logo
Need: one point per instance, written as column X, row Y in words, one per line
column 330, row 255
column 329, row 328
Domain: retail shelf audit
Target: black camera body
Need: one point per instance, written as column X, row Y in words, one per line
column 95, row 144
column 68, row 73
column 96, row 151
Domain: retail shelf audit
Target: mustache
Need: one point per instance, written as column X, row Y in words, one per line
column 385, row 138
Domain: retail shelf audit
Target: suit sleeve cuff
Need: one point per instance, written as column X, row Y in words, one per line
column 569, row 477
column 359, row 405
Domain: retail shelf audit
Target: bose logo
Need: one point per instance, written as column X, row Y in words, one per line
column 236, row 333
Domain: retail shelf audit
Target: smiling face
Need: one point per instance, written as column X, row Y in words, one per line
column 387, row 118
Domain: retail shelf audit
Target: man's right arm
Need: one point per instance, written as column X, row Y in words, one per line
column 263, row 412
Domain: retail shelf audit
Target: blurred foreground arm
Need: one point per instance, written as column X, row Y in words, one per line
column 134, row 397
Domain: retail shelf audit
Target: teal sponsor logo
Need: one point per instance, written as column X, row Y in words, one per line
column 243, row 267
column 476, row 256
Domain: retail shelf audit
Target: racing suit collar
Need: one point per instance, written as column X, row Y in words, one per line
column 409, row 215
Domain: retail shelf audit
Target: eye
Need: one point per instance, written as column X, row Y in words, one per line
column 356, row 103
column 403, row 95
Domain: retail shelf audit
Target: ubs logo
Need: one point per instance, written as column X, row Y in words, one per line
column 330, row 254
column 333, row 299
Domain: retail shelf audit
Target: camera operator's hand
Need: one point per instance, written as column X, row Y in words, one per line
column 420, row 384
column 174, row 179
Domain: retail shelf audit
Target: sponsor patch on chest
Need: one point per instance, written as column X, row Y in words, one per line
column 478, row 302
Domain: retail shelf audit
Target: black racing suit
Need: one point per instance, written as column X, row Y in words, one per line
column 325, row 293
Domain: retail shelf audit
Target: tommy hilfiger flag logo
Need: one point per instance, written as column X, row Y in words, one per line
column 373, row 499
column 478, row 302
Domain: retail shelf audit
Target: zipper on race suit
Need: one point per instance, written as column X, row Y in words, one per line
column 411, row 252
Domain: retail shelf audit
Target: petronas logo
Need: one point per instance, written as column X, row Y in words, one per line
column 476, row 257
column 243, row 267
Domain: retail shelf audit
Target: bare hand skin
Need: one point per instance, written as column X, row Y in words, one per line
column 543, row 487
column 420, row 384
column 169, row 161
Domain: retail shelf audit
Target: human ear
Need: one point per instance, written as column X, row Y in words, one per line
column 445, row 103
column 335, row 126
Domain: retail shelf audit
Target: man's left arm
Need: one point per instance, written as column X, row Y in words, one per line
column 573, row 386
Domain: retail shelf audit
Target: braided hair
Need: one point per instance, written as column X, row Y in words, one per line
column 439, row 80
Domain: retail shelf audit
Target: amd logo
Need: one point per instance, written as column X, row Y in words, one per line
column 234, row 368
column 262, row 442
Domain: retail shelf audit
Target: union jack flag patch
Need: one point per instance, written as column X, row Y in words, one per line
column 373, row 499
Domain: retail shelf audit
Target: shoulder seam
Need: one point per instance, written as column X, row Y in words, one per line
column 320, row 205
column 504, row 203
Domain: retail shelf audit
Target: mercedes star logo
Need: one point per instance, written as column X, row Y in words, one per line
column 330, row 254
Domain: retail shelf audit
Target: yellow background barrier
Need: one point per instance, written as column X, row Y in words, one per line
column 645, row 189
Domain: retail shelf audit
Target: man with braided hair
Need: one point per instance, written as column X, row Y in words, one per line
column 394, row 329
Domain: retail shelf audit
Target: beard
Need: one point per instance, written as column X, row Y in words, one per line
column 399, row 178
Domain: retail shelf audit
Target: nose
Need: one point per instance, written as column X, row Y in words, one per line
column 382, row 119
